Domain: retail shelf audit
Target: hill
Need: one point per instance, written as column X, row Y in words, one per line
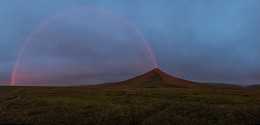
column 156, row 78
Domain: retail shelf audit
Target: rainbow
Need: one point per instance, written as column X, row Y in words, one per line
column 79, row 9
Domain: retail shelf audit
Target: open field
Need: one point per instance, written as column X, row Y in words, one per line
column 123, row 106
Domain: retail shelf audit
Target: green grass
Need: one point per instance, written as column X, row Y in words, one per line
column 123, row 106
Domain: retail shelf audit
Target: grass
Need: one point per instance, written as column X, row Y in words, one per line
column 125, row 106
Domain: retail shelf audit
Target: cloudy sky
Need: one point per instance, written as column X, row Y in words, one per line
column 70, row 42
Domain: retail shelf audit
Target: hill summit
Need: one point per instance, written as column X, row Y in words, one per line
column 156, row 78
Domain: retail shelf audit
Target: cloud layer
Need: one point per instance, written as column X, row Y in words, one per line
column 209, row 41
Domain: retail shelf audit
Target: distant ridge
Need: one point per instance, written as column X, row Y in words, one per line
column 155, row 78
column 254, row 86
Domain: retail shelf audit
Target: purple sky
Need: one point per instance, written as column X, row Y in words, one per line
column 200, row 40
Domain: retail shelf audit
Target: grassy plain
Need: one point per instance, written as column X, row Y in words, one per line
column 125, row 106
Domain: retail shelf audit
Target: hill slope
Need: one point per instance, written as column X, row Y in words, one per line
column 156, row 78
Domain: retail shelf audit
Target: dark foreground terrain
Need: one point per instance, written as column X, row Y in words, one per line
column 123, row 106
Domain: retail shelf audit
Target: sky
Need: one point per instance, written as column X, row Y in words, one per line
column 72, row 42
